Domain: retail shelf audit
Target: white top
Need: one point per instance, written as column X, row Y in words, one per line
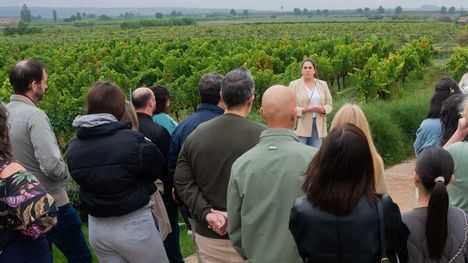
column 314, row 98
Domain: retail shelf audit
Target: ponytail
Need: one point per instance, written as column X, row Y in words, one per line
column 436, row 224
column 435, row 168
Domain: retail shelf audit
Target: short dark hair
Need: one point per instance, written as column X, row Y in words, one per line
column 209, row 87
column 23, row 73
column 434, row 162
column 106, row 97
column 449, row 116
column 443, row 90
column 141, row 100
column 341, row 172
column 161, row 95
column 237, row 87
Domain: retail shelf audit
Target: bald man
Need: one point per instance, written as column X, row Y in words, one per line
column 264, row 183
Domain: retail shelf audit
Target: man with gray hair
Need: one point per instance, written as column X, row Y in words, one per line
column 204, row 166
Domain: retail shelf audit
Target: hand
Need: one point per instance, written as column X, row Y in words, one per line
column 217, row 220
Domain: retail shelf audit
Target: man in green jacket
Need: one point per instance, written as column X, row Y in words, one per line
column 264, row 183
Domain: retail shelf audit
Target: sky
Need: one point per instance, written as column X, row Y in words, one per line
column 240, row 4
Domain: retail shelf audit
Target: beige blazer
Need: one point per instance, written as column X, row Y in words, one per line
column 304, row 121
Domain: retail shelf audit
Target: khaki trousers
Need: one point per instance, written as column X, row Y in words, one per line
column 213, row 250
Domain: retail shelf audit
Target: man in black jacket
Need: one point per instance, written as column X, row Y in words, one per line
column 144, row 102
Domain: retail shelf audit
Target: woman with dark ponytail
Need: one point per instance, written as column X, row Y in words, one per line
column 439, row 231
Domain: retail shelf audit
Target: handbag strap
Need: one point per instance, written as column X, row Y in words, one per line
column 462, row 246
column 383, row 243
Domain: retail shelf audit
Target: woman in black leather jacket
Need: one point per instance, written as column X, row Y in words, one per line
column 337, row 220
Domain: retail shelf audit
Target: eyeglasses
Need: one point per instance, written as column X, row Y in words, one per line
column 308, row 68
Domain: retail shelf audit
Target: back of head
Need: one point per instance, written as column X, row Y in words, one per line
column 341, row 173
column 351, row 113
column 237, row 87
column 279, row 107
column 5, row 146
column 141, row 97
column 443, row 90
column 434, row 167
column 105, row 97
column 449, row 115
column 161, row 95
column 23, row 73
column 209, row 88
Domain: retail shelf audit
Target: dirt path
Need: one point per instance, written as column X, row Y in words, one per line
column 400, row 185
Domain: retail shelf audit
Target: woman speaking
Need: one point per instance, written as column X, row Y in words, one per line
column 313, row 103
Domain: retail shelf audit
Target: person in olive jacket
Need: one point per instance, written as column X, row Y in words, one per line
column 115, row 168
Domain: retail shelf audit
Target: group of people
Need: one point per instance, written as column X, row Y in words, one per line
column 287, row 192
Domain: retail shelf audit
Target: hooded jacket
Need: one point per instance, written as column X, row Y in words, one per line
column 114, row 166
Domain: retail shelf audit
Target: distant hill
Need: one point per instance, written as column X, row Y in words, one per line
column 46, row 12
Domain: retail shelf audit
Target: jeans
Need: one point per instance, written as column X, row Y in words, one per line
column 24, row 249
column 68, row 237
column 313, row 140
column 171, row 243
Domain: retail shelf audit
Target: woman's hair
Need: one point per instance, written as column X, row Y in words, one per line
column 351, row 113
column 5, row 145
column 443, row 90
column 341, row 173
column 161, row 95
column 449, row 115
column 130, row 115
column 434, row 167
column 313, row 64
column 105, row 97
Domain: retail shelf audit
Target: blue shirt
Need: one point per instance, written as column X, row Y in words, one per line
column 428, row 134
column 205, row 112
column 166, row 121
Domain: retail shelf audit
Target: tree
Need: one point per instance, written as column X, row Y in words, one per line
column 325, row 12
column 159, row 15
column 367, row 10
column 25, row 14
column 245, row 13
column 359, row 10
column 297, row 11
column 78, row 16
column 233, row 12
column 452, row 10
column 318, row 11
column 54, row 15
column 380, row 10
column 305, row 11
column 398, row 10
column 443, row 10
column 173, row 13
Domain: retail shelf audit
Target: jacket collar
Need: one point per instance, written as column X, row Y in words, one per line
column 209, row 107
column 21, row 98
column 278, row 134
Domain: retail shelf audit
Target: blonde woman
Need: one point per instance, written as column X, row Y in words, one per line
column 130, row 115
column 353, row 114
column 314, row 102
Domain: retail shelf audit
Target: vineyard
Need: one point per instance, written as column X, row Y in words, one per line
column 367, row 61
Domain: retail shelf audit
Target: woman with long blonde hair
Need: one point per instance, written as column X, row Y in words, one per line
column 351, row 113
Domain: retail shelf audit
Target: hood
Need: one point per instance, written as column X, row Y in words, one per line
column 92, row 120
column 95, row 125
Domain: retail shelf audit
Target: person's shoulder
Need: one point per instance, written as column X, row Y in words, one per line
column 294, row 83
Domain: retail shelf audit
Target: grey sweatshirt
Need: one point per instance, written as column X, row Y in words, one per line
column 34, row 146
